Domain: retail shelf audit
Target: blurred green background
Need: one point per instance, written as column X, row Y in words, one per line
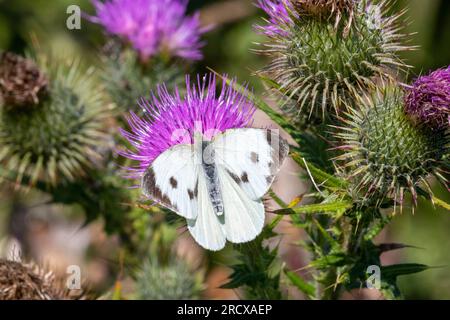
column 228, row 50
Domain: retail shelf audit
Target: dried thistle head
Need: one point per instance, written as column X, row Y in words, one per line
column 314, row 64
column 21, row 82
column 385, row 154
column 58, row 139
column 19, row 281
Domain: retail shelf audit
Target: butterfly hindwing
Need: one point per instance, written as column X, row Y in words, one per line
column 207, row 228
column 243, row 217
column 172, row 181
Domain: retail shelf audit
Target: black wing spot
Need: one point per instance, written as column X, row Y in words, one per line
column 234, row 177
column 173, row 182
column 254, row 157
column 152, row 190
column 244, row 177
column 193, row 193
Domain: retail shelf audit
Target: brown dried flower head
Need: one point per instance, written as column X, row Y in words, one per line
column 19, row 281
column 21, row 81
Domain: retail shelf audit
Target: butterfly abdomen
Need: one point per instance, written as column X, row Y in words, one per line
column 212, row 177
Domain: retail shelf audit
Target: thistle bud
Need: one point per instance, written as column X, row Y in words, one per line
column 61, row 136
column 322, row 63
column 386, row 154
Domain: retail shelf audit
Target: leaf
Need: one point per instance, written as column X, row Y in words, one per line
column 334, row 259
column 320, row 176
column 435, row 200
column 393, row 271
column 376, row 228
column 301, row 284
column 385, row 247
column 440, row 203
column 337, row 207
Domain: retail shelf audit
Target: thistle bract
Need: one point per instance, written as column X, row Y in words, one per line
column 171, row 119
column 62, row 135
column 152, row 27
column 428, row 99
column 319, row 63
column 386, row 154
column 172, row 281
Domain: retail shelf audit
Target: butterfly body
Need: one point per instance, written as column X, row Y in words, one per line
column 217, row 185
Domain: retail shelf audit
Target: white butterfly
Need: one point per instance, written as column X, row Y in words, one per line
column 217, row 185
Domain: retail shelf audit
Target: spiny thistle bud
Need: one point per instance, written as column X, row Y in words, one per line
column 173, row 281
column 57, row 139
column 321, row 65
column 386, row 153
column 428, row 99
column 21, row 81
column 19, row 281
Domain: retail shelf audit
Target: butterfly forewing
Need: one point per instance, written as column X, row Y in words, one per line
column 172, row 181
column 252, row 157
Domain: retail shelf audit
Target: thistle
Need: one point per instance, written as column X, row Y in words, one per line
column 146, row 40
column 173, row 281
column 386, row 154
column 152, row 27
column 171, row 119
column 21, row 81
column 428, row 99
column 29, row 281
column 324, row 53
column 61, row 136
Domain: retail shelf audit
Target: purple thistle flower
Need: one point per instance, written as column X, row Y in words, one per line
column 152, row 26
column 279, row 12
column 428, row 99
column 171, row 119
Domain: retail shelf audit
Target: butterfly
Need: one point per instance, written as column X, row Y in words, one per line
column 218, row 184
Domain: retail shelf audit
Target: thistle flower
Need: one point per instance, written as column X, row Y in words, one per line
column 279, row 14
column 152, row 26
column 61, row 136
column 321, row 65
column 386, row 154
column 173, row 281
column 171, row 119
column 29, row 281
column 21, row 81
column 428, row 99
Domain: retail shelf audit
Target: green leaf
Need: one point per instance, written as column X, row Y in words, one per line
column 301, row 284
column 333, row 259
column 376, row 228
column 440, row 203
column 337, row 207
column 320, row 176
column 393, row 271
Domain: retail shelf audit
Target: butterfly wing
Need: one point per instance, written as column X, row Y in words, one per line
column 243, row 217
column 176, row 182
column 208, row 228
column 172, row 181
column 247, row 162
column 252, row 157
